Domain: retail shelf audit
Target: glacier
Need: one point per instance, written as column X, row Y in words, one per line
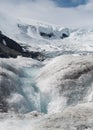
column 66, row 88
column 67, row 80
column 51, row 94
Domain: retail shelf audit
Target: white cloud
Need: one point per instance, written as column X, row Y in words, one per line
column 45, row 10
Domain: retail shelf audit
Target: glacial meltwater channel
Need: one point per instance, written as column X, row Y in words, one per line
column 34, row 100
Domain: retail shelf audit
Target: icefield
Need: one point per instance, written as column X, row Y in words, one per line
column 55, row 93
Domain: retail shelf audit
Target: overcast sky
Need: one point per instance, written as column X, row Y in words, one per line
column 73, row 13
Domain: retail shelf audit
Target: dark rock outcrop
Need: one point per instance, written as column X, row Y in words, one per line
column 10, row 43
column 6, row 52
column 10, row 48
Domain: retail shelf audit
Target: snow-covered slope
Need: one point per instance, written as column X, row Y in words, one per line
column 41, row 30
column 32, row 28
column 53, row 40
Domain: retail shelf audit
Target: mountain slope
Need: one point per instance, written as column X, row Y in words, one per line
column 10, row 48
column 53, row 40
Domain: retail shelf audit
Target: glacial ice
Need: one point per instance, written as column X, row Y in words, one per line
column 17, row 88
column 67, row 80
column 65, row 87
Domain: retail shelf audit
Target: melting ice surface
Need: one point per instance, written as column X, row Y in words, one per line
column 31, row 93
column 59, row 78
column 27, row 98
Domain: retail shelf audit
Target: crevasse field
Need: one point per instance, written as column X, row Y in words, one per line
column 53, row 94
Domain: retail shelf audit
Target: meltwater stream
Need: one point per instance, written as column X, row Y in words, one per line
column 31, row 98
